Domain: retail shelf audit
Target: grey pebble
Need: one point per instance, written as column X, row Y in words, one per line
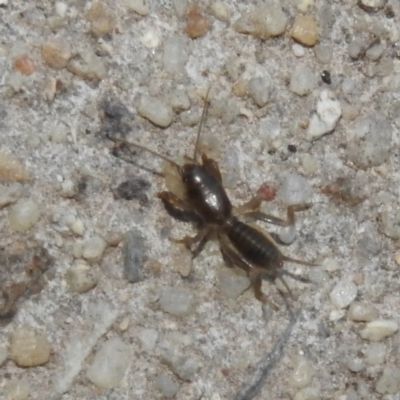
column 295, row 189
column 166, row 385
column 178, row 302
column 375, row 52
column 175, row 55
column 369, row 140
column 232, row 282
column 134, row 256
column 179, row 100
column 355, row 48
column 323, row 53
column 190, row 117
column 260, row 90
column 156, row 111
column 302, row 81
column 10, row 194
column 185, row 367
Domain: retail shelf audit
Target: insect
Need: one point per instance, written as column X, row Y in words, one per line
column 206, row 203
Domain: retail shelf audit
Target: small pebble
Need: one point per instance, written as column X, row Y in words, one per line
column 175, row 55
column 110, row 364
column 81, row 278
column 23, row 215
column 93, row 248
column 307, row 393
column 375, row 353
column 221, row 11
column 302, row 81
column 326, row 117
column 298, row 50
column 369, row 140
column 179, row 100
column 183, row 263
column 196, row 23
column 178, row 302
column 134, row 256
column 191, row 117
column 18, row 389
column 355, row 364
column 305, row 30
column 113, row 238
column 68, row 188
column 355, row 48
column 294, row 189
column 389, row 382
column 87, row 65
column 56, row 53
column 156, row 111
column 11, row 169
column 348, row 86
column 361, row 312
column 260, row 89
column 10, row 194
column 267, row 191
column 124, row 324
column 371, row 5
column 323, row 53
column 302, row 372
column 101, row 18
column 185, row 367
column 375, row 52
column 326, row 77
column 391, row 223
column 29, row 348
column 24, row 64
column 180, row 7
column 232, row 282
column 166, row 385
column 287, row 234
column 344, row 293
column 378, row 330
column 309, row 163
column 140, row 7
column 148, row 339
column 265, row 21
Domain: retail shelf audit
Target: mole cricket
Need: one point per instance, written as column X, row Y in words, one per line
column 206, row 203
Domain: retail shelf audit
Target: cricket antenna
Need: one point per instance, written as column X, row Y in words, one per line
column 203, row 118
column 139, row 146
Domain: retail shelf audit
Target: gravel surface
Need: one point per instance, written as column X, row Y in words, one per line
column 96, row 301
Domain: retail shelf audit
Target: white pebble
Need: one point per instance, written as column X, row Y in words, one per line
column 309, row 163
column 176, row 301
column 148, row 339
column 302, row 81
column 298, row 50
column 18, row 389
column 260, row 90
column 294, row 189
column 138, row 6
column 29, row 348
column 110, row 364
column 232, row 282
column 331, row 265
column 344, row 293
column 264, row 21
column 302, row 372
column 375, row 52
column 175, row 55
column 221, row 11
column 375, row 353
column 355, row 364
column 23, row 215
column 10, row 194
column 81, row 278
column 166, row 385
column 361, row 312
column 369, row 140
column 389, row 382
column 61, row 9
column 68, row 188
column 93, row 248
column 379, row 329
column 326, row 117
column 150, row 39
column 348, row 86
column 307, row 393
column 287, row 234
column 155, row 111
